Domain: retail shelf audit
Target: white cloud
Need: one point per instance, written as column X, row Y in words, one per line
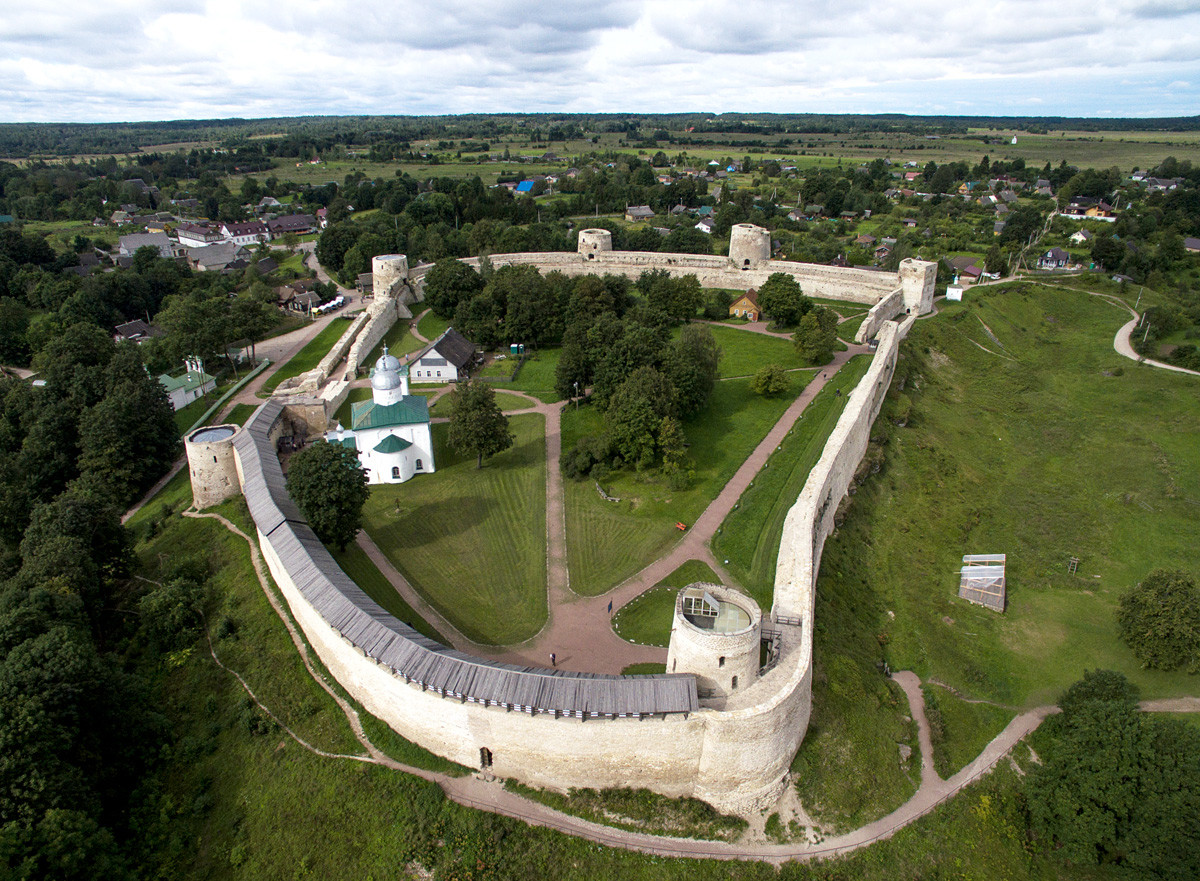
column 212, row 58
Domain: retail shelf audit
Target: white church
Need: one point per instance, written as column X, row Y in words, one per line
column 390, row 432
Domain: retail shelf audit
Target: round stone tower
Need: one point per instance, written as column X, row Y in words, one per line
column 749, row 245
column 592, row 241
column 386, row 271
column 211, row 465
column 715, row 636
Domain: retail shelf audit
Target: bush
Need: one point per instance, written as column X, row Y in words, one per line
column 1159, row 620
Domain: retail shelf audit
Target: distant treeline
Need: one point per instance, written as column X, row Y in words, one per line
column 18, row 140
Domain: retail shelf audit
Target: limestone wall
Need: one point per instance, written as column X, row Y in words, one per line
column 211, row 467
column 810, row 520
column 736, row 758
column 829, row 282
column 886, row 309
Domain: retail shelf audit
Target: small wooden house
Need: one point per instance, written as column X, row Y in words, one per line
column 746, row 306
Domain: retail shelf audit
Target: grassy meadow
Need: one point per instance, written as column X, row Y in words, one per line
column 606, row 541
column 473, row 542
column 1043, row 444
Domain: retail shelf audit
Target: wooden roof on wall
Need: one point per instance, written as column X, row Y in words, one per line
column 418, row 659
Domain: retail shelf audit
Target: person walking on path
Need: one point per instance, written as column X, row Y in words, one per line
column 553, row 660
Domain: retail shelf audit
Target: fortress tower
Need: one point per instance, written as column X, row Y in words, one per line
column 749, row 245
column 388, row 270
column 917, row 279
column 592, row 241
column 715, row 636
column 211, row 465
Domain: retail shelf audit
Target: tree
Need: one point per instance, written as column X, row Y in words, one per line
column 1116, row 785
column 782, row 300
column 449, row 283
column 691, row 365
column 330, row 487
column 1159, row 619
column 770, row 381
column 477, row 424
column 635, row 415
column 816, row 335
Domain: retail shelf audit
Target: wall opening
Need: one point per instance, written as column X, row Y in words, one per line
column 735, row 682
column 720, row 662
column 396, row 473
column 419, row 465
column 485, row 757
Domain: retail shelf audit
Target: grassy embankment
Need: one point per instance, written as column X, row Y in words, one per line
column 1052, row 447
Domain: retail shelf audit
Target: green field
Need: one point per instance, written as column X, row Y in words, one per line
column 308, row 357
column 398, row 341
column 743, row 352
column 959, row 729
column 646, row 619
column 1061, row 448
column 607, row 542
column 431, row 327
column 473, row 542
column 748, row 540
column 506, row 402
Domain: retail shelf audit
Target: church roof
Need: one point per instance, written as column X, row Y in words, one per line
column 409, row 410
column 392, row 444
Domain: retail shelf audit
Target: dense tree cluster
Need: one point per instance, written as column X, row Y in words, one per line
column 1118, row 786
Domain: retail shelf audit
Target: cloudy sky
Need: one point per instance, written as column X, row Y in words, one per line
column 121, row 60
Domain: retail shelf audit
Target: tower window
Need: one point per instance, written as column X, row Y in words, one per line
column 721, row 662
column 735, row 682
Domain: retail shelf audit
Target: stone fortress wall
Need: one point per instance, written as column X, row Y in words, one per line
column 733, row 752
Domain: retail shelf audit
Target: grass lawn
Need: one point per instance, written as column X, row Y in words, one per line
column 355, row 563
column 187, row 416
column 431, row 327
column 1066, row 450
column 848, row 328
column 399, row 341
column 504, row 401
column 959, row 729
column 473, row 541
column 240, row 413
column 646, row 619
column 537, row 376
column 743, row 352
column 308, row 357
column 607, row 542
column 748, row 540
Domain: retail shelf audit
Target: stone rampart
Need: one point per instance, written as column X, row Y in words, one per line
column 829, row 282
column 736, row 757
column 885, row 310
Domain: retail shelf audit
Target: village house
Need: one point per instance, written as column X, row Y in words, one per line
column 635, row 213
column 1055, row 258
column 746, row 306
column 193, row 383
column 128, row 245
column 249, row 233
column 447, row 359
column 298, row 224
column 197, row 235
